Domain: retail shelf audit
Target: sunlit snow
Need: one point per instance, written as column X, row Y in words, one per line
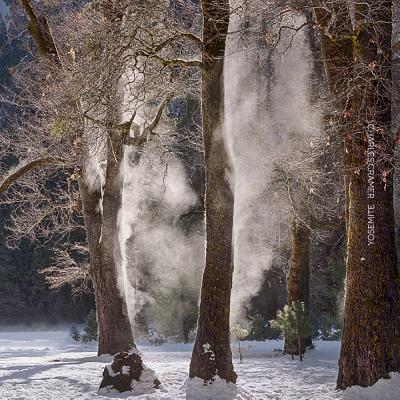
column 47, row 365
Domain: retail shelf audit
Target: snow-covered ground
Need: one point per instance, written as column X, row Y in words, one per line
column 48, row 365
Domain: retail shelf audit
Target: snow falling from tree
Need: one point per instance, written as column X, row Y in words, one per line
column 266, row 118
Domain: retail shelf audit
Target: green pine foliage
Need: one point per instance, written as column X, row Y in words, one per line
column 258, row 328
column 90, row 329
column 295, row 324
column 75, row 334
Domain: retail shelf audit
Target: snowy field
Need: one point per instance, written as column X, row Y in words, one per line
column 48, row 365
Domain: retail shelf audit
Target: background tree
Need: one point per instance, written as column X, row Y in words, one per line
column 213, row 324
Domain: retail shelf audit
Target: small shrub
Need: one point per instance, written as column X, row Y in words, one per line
column 295, row 324
column 239, row 333
column 155, row 338
column 75, row 334
column 90, row 329
column 331, row 334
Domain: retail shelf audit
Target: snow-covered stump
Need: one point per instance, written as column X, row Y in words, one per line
column 128, row 373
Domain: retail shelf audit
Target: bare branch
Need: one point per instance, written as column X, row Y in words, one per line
column 67, row 271
column 178, row 62
column 195, row 39
column 148, row 131
column 39, row 29
column 21, row 170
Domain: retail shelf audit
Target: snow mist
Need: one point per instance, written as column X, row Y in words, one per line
column 268, row 113
column 162, row 260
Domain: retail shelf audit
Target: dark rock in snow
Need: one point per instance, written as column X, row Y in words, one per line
column 127, row 372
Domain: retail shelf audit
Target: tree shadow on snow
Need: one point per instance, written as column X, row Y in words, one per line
column 27, row 372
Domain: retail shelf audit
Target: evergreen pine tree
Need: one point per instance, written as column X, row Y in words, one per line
column 295, row 324
column 75, row 334
column 90, row 328
column 258, row 328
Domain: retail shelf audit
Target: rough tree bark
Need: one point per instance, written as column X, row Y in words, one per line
column 115, row 333
column 371, row 332
column 212, row 352
column 39, row 29
column 336, row 33
column 298, row 280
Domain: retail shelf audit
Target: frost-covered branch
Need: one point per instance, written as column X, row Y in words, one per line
column 67, row 270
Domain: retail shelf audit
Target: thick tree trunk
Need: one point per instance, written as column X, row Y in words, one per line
column 371, row 333
column 336, row 29
column 115, row 332
column 110, row 247
column 298, row 281
column 212, row 352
